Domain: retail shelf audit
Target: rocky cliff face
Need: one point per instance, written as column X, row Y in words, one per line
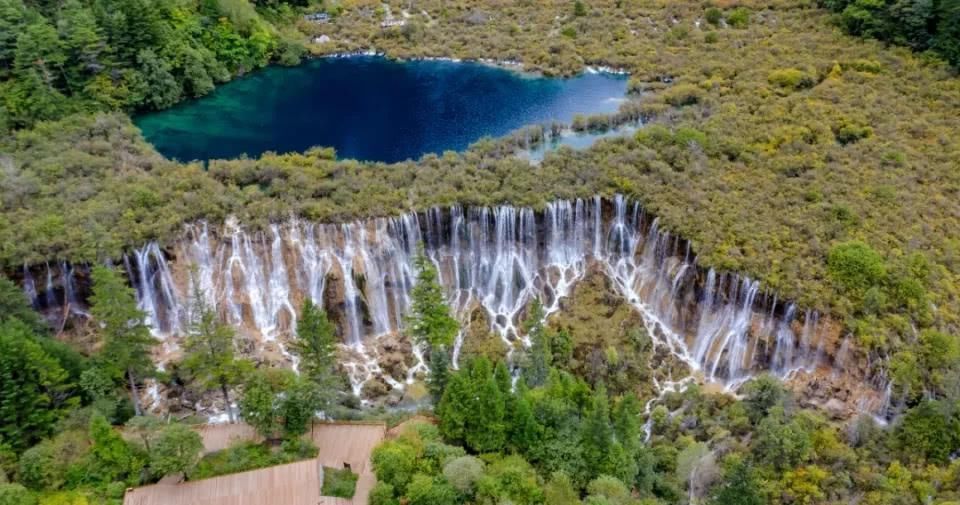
column 492, row 262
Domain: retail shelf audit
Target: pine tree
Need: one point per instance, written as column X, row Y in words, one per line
column 439, row 373
column 454, row 407
column 209, row 350
column 33, row 388
column 486, row 427
column 84, row 42
column 315, row 345
column 14, row 305
column 127, row 342
column 430, row 322
column 597, row 434
column 539, row 355
column 626, row 426
column 502, row 376
column 523, row 430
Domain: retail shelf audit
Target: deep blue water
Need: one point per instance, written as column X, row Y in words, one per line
column 371, row 108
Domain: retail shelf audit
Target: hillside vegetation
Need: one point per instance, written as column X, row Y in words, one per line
column 824, row 165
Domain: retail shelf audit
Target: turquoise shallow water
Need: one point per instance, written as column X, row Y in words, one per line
column 371, row 108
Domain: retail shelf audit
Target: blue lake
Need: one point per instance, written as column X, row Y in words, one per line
column 371, row 108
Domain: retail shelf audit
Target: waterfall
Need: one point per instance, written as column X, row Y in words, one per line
column 495, row 259
column 30, row 288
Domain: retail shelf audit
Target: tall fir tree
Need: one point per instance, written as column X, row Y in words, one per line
column 539, row 357
column 315, row 346
column 34, row 391
column 431, row 324
column 597, row 434
column 127, row 343
column 209, row 353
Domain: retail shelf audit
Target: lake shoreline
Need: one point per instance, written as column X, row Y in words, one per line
column 339, row 100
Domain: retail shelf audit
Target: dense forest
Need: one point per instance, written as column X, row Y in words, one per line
column 922, row 25
column 58, row 58
column 824, row 165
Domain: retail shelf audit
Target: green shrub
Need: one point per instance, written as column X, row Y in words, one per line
column 849, row 133
column 394, row 463
column 15, row 494
column 711, row 38
column 383, row 494
column 791, row 78
column 683, row 94
column 463, row 473
column 739, row 18
column 929, row 432
column 339, row 482
column 855, row 267
column 713, row 16
column 866, row 66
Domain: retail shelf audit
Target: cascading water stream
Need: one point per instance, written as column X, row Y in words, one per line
column 493, row 259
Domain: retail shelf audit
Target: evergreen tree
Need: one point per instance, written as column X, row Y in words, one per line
column 439, row 373
column 523, row 430
column 258, row 404
column 454, row 406
column 13, row 15
column 127, row 342
column 539, row 355
column 626, row 426
column 486, row 428
column 85, row 44
column 38, row 70
column 34, row 393
column 315, row 345
column 430, row 322
column 502, row 375
column 597, row 434
column 162, row 89
column 209, row 353
column 14, row 305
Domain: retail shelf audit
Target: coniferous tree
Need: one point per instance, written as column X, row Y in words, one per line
column 127, row 343
column 430, row 321
column 209, row 353
column 315, row 345
column 539, row 355
column 84, row 43
column 439, row 373
column 431, row 324
column 597, row 434
column 486, row 428
column 34, row 392
column 523, row 430
column 454, row 406
column 14, row 305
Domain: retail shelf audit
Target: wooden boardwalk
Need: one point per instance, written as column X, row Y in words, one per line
column 293, row 484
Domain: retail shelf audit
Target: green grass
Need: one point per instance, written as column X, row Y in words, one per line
column 339, row 482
